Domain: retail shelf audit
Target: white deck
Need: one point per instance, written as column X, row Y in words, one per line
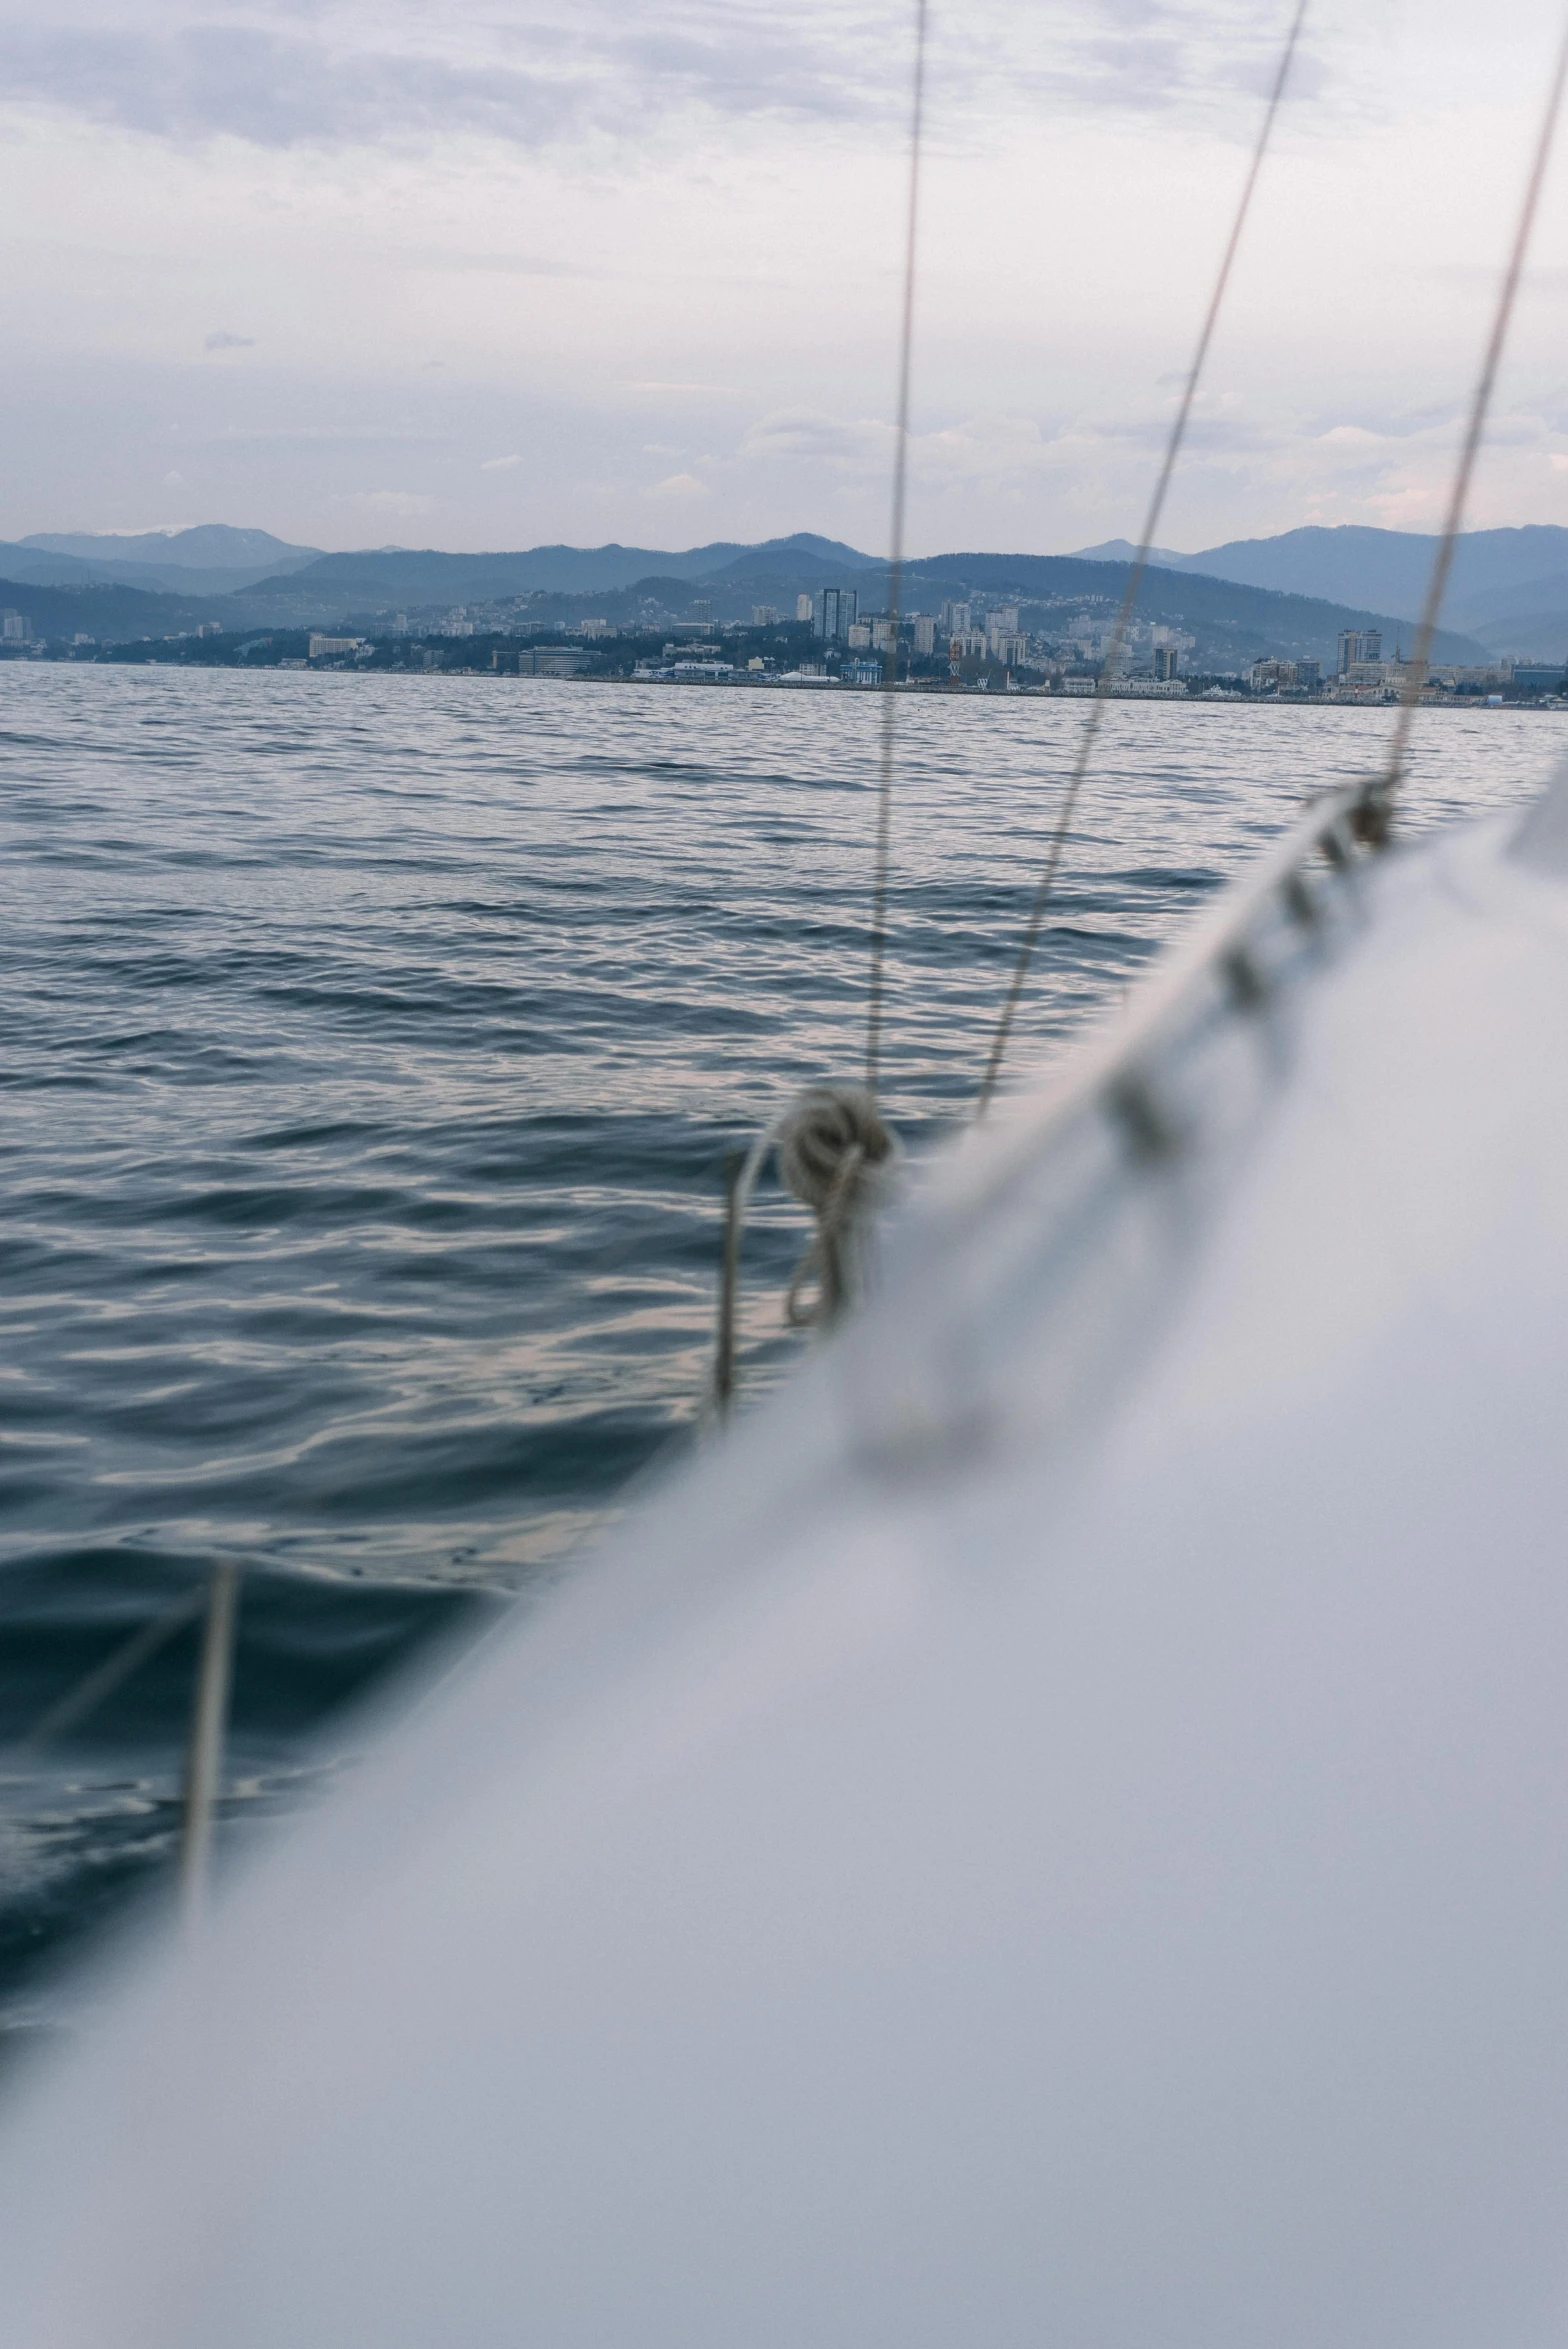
column 1057, row 1833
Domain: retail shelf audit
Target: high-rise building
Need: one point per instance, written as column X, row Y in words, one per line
column 1001, row 627
column 803, row 607
column 702, row 610
column 956, row 619
column 925, row 635
column 1357, row 645
column 766, row 615
column 1166, row 661
column 834, row 612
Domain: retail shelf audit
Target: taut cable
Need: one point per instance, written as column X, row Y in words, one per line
column 1443, row 561
column 1096, row 710
column 884, row 842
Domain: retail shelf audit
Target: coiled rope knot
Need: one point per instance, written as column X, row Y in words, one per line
column 838, row 1158
column 835, row 1155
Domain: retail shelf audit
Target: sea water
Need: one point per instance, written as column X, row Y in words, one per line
column 372, row 1051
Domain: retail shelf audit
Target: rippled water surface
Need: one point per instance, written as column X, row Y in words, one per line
column 372, row 1051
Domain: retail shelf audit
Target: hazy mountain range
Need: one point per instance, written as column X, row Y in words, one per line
column 1509, row 588
column 222, row 559
column 1288, row 594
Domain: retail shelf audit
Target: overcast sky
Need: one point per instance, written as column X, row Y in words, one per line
column 370, row 273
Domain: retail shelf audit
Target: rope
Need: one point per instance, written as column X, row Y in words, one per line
column 836, row 1157
column 1376, row 816
column 831, row 1146
column 834, row 1150
column 218, row 1599
column 884, row 839
column 105, row 1678
column 1096, row 710
column 209, row 1723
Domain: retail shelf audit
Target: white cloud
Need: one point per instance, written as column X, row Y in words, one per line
column 609, row 236
column 364, row 72
column 809, row 436
column 702, row 391
column 679, row 485
column 984, row 448
column 389, row 501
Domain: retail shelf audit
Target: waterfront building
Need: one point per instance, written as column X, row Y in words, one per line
column 1359, row 647
column 551, row 661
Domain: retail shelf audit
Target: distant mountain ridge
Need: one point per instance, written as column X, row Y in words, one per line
column 1508, row 588
column 207, row 546
column 354, row 589
column 212, row 558
column 66, row 584
column 406, row 575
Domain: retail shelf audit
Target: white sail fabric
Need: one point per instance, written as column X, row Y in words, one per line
column 1058, row 1831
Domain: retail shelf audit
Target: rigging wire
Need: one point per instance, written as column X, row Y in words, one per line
column 884, row 838
column 1442, row 562
column 1091, row 726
